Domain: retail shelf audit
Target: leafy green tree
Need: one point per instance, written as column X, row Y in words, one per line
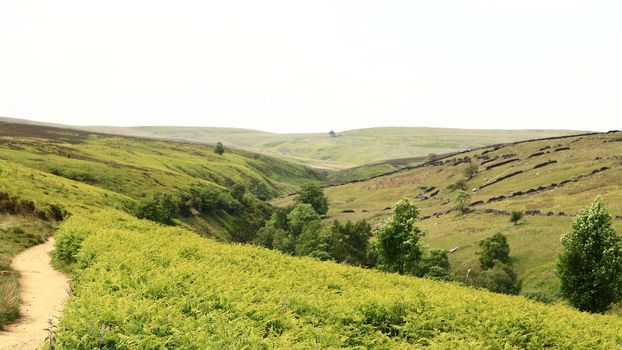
column 493, row 249
column 398, row 240
column 313, row 242
column 349, row 242
column 462, row 202
column 515, row 217
column 332, row 133
column 431, row 157
column 501, row 278
column 590, row 264
column 470, row 171
column 161, row 208
column 219, row 148
column 435, row 265
column 300, row 216
column 314, row 195
column 268, row 235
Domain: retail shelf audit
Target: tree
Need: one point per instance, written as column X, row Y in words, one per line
column 314, row 195
column 398, row 240
column 435, row 265
column 515, row 217
column 350, row 242
column 220, row 148
column 462, row 201
column 590, row 264
column 493, row 249
column 300, row 216
column 313, row 242
column 470, row 171
column 332, row 133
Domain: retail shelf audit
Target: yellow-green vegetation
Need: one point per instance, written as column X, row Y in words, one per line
column 548, row 180
column 139, row 285
column 346, row 149
column 17, row 232
column 83, row 171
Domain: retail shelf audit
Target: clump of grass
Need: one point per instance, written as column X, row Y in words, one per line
column 9, row 300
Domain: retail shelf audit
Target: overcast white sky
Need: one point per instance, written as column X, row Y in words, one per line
column 314, row 65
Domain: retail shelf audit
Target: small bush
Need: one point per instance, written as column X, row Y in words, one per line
column 501, row 278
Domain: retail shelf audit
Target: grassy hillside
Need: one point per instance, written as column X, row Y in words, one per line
column 85, row 171
column 348, row 148
column 550, row 180
column 139, row 285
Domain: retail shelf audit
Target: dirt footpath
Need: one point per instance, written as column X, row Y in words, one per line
column 44, row 291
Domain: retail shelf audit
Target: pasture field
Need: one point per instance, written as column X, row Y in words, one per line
column 549, row 180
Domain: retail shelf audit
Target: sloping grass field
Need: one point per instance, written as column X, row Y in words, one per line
column 549, row 180
column 82, row 171
column 139, row 285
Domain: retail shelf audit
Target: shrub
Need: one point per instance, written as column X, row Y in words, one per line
column 459, row 185
column 160, row 208
column 492, row 249
column 435, row 265
column 261, row 191
column 501, row 278
column 237, row 192
column 590, row 264
column 314, row 195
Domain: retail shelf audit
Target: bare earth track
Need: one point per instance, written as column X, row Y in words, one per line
column 44, row 291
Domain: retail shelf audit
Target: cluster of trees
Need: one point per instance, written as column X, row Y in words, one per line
column 298, row 230
column 497, row 274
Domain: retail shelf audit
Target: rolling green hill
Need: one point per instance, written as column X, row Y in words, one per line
column 549, row 180
column 348, row 149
